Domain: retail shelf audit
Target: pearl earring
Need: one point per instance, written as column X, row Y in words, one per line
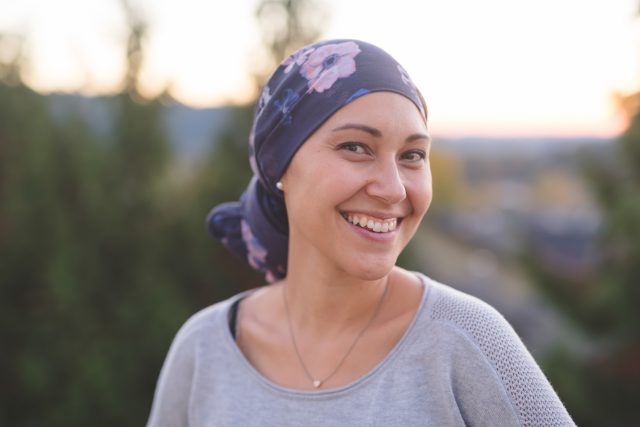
column 279, row 185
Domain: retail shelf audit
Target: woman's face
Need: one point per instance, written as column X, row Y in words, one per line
column 358, row 188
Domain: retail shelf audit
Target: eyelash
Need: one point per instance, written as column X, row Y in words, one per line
column 421, row 154
column 348, row 145
column 353, row 146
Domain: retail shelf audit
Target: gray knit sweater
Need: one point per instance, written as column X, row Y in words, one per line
column 459, row 363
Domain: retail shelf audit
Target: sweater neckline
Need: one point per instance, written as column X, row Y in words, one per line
column 263, row 381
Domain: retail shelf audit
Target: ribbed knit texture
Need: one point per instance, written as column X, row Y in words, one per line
column 458, row 364
column 535, row 401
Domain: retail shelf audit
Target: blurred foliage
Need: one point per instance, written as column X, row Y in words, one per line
column 100, row 262
column 102, row 257
column 285, row 26
column 103, row 248
column 601, row 386
column 87, row 303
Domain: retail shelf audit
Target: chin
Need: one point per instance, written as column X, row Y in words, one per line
column 370, row 269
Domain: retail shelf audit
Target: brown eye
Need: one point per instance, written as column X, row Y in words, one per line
column 414, row 156
column 354, row 147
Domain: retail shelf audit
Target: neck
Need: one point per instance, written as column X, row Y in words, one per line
column 326, row 303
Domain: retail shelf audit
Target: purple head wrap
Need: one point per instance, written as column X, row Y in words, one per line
column 303, row 92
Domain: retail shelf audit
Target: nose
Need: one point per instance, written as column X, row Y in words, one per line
column 386, row 182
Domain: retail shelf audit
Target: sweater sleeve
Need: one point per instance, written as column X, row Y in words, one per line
column 531, row 394
column 172, row 395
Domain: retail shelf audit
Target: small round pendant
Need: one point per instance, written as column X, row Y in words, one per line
column 317, row 383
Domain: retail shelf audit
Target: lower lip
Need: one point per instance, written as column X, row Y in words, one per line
column 372, row 235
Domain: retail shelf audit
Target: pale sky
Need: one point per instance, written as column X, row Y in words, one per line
column 488, row 68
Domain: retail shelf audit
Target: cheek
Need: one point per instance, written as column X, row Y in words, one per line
column 337, row 179
column 420, row 193
column 318, row 187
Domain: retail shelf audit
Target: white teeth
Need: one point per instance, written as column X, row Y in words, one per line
column 369, row 223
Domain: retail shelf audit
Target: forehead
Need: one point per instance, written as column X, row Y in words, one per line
column 386, row 111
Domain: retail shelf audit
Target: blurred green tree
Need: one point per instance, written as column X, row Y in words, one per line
column 285, row 26
column 92, row 287
column 103, row 252
column 601, row 386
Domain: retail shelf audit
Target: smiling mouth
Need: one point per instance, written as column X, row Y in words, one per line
column 375, row 225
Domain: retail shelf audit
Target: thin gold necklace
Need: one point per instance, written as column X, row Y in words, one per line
column 317, row 383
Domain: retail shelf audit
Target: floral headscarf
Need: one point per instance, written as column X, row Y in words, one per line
column 303, row 92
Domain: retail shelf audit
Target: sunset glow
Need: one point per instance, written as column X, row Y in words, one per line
column 494, row 68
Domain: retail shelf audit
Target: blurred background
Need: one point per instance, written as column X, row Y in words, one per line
column 123, row 122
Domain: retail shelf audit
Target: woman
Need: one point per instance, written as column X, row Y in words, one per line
column 339, row 148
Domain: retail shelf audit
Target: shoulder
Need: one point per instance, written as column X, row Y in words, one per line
column 464, row 325
column 479, row 322
column 487, row 330
column 477, row 319
column 206, row 323
column 200, row 334
column 196, row 337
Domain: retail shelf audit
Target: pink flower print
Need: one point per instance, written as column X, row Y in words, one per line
column 256, row 253
column 252, row 151
column 297, row 58
column 328, row 64
column 405, row 77
column 273, row 276
column 407, row 80
column 270, row 277
column 253, row 162
column 265, row 96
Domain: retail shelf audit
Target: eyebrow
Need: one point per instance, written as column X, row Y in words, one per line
column 375, row 132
